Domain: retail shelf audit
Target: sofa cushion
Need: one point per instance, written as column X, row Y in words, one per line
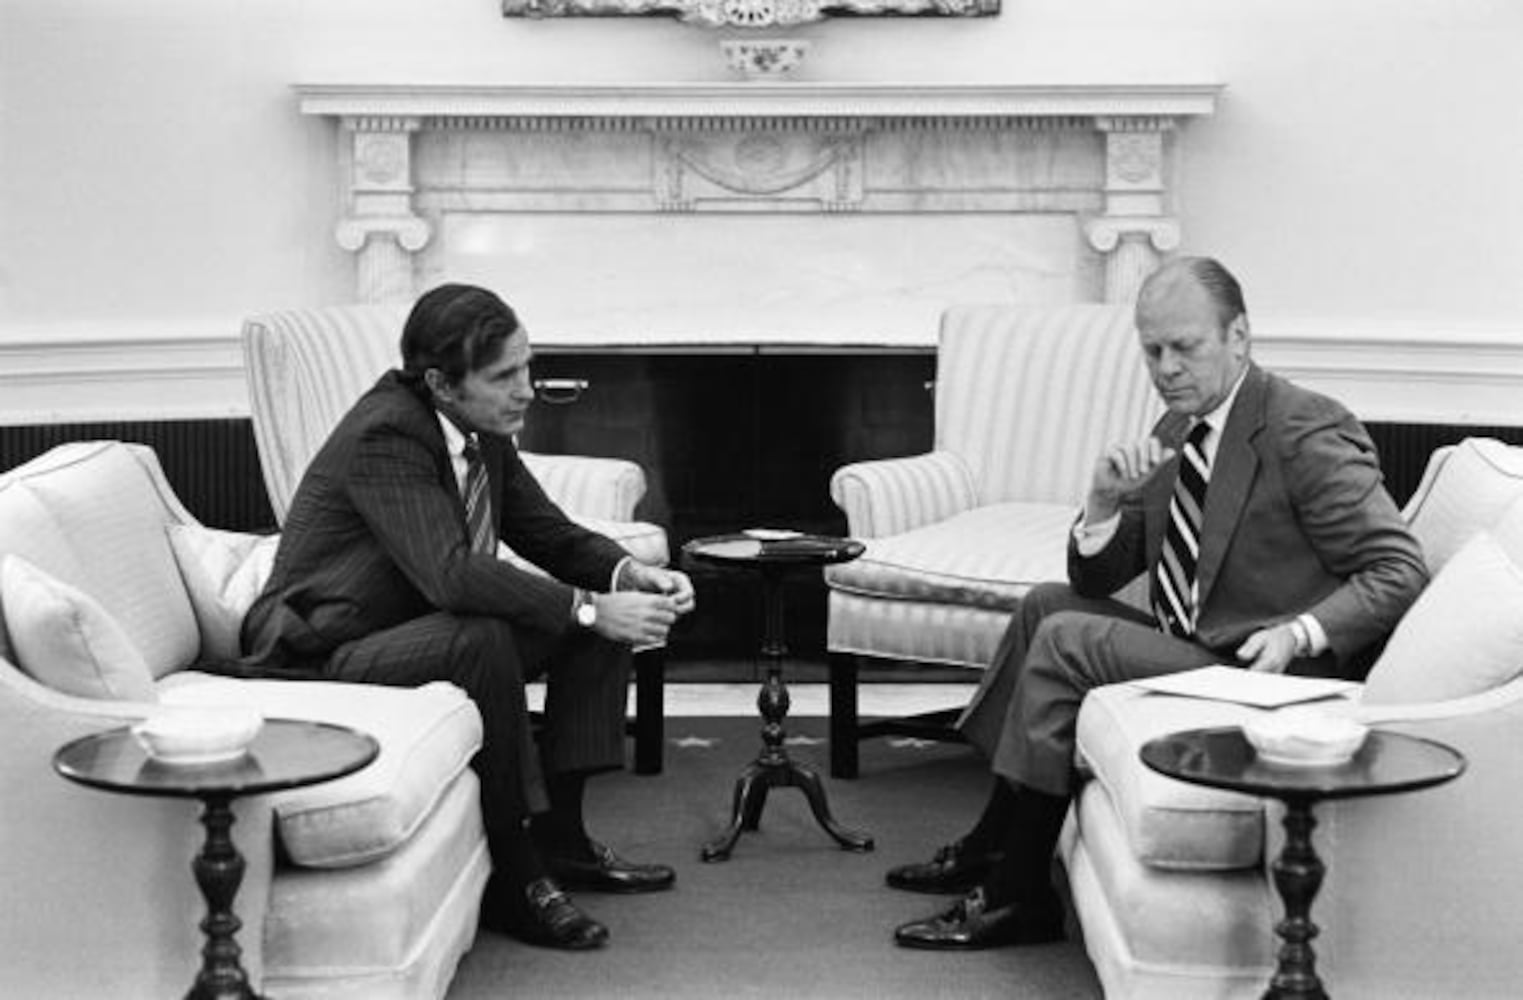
column 1169, row 823
column 428, row 735
column 376, row 915
column 986, row 557
column 28, row 529
column 1463, row 636
column 1476, row 482
column 63, row 637
column 112, row 511
column 223, row 572
column 1165, row 934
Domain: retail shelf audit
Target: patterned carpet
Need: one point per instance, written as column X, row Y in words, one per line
column 790, row 914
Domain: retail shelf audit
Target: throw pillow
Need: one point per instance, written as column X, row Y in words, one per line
column 1478, row 481
column 223, row 572
column 1463, row 635
column 64, row 638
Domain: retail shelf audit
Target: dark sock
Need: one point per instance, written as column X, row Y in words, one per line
column 1024, row 874
column 562, row 831
column 993, row 827
column 516, row 860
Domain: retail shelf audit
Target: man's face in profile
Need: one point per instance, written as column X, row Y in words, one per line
column 494, row 397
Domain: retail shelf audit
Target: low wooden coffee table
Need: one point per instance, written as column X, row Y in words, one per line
column 773, row 555
column 286, row 753
column 1223, row 758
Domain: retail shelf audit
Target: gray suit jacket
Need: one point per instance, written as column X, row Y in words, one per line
column 1297, row 519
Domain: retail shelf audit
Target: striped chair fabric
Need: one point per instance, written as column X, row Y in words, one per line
column 306, row 367
column 1026, row 399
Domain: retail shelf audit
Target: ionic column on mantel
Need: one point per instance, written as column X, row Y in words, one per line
column 381, row 228
column 1136, row 226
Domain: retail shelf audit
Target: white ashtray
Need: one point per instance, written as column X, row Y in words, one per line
column 198, row 734
column 1305, row 738
column 772, row 534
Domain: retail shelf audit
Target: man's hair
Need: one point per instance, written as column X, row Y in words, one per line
column 1208, row 272
column 456, row 329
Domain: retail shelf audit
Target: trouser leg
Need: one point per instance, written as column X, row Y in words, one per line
column 1072, row 652
column 586, row 703
column 984, row 718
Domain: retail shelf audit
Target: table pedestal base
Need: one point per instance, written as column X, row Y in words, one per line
column 1298, row 874
column 219, row 870
column 759, row 777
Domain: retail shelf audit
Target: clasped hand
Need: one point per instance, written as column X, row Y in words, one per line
column 646, row 605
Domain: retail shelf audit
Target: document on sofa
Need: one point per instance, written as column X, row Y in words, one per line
column 1245, row 687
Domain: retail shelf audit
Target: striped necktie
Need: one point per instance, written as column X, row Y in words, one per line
column 1174, row 578
column 478, row 505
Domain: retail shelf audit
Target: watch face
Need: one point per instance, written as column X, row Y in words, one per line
column 586, row 614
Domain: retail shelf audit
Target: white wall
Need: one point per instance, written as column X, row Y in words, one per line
column 1364, row 169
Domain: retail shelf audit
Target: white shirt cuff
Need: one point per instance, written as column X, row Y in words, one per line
column 613, row 581
column 1314, row 632
column 1091, row 538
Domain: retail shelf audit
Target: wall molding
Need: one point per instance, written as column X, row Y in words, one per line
column 193, row 369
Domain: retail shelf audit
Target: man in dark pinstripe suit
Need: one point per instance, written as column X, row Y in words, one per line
column 378, row 580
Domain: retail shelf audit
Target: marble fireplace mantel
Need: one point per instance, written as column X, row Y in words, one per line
column 796, row 212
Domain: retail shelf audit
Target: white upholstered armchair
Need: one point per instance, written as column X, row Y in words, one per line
column 306, row 367
column 1026, row 398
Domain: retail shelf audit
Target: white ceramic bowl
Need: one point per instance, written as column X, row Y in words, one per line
column 1305, row 739
column 198, row 734
column 764, row 58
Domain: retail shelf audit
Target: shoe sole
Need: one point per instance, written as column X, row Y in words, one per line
column 1017, row 940
column 959, row 889
column 613, row 889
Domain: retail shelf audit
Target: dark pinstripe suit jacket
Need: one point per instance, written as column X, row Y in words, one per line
column 376, row 537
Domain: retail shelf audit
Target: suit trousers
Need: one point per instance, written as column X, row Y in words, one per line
column 1057, row 647
column 586, row 697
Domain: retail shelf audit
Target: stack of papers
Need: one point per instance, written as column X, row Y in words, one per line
column 1246, row 687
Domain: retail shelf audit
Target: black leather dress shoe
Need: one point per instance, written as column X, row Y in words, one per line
column 954, row 869
column 971, row 924
column 540, row 913
column 601, row 870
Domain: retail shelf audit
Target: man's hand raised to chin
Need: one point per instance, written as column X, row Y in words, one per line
column 1121, row 469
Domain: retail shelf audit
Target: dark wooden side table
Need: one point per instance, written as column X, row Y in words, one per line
column 1223, row 758
column 285, row 754
column 773, row 555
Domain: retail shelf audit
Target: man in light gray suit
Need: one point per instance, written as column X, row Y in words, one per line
column 1277, row 549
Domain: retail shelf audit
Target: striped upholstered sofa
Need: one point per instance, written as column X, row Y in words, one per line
column 1026, row 397
column 306, row 367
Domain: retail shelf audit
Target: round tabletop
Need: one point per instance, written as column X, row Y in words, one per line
column 763, row 547
column 286, row 753
column 1222, row 757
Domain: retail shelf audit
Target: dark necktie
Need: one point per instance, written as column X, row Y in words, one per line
column 1174, row 579
column 478, row 505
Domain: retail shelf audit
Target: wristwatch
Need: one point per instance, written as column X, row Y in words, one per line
column 585, row 611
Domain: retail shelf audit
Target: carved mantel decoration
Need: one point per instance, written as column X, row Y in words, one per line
column 830, row 211
column 749, row 13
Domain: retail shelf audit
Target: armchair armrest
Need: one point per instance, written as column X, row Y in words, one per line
column 890, row 496
column 101, row 900
column 602, row 488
